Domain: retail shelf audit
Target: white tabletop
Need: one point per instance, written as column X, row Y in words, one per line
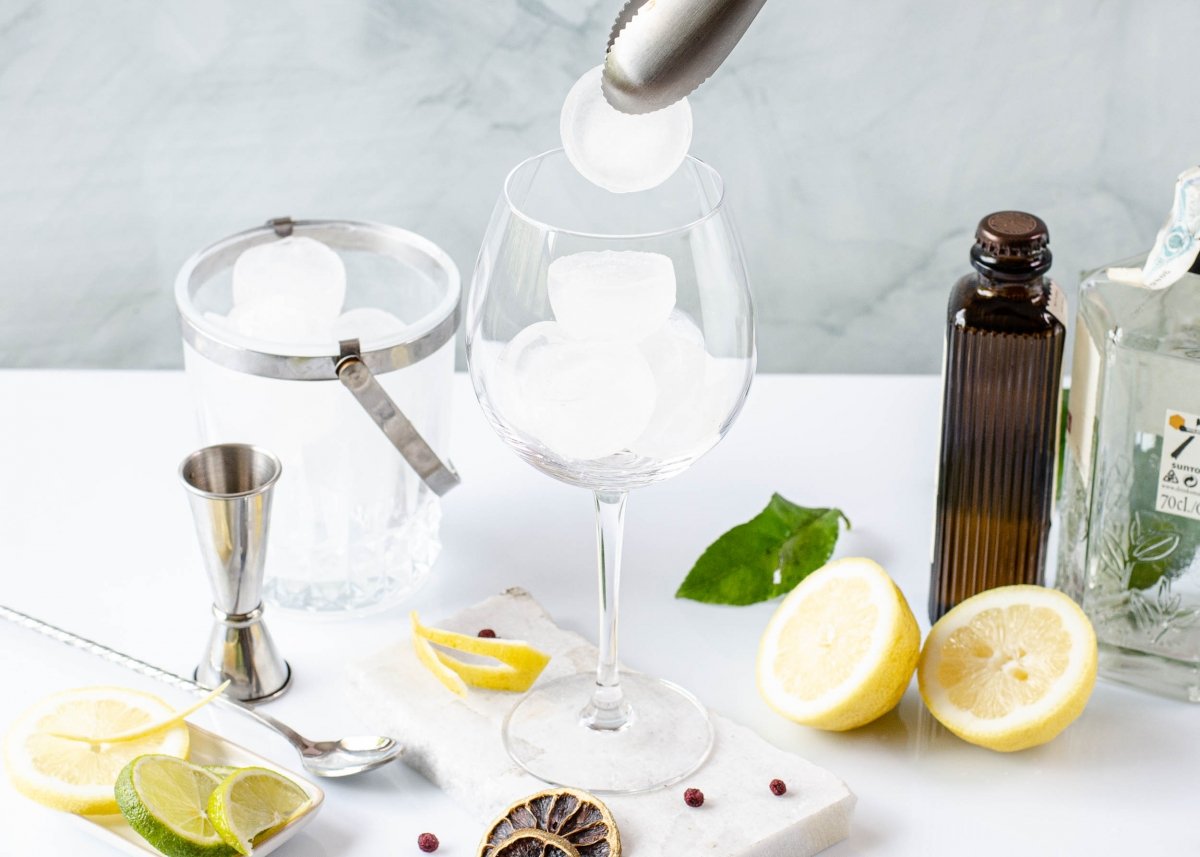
column 95, row 536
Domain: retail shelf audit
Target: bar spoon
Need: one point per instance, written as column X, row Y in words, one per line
column 341, row 758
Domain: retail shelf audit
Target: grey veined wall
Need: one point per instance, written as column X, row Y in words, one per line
column 860, row 141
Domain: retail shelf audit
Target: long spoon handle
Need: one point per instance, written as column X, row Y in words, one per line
column 143, row 668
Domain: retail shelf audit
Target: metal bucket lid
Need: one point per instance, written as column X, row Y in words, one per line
column 319, row 362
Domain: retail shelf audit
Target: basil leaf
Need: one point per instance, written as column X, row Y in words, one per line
column 741, row 566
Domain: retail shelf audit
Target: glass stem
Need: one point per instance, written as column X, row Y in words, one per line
column 608, row 709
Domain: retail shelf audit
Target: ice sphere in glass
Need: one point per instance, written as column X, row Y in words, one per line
column 618, row 151
column 682, row 418
column 581, row 400
column 620, row 295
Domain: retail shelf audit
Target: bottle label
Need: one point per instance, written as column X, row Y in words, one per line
column 1179, row 470
column 1081, row 404
column 1057, row 304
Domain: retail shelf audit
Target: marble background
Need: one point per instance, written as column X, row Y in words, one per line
column 861, row 143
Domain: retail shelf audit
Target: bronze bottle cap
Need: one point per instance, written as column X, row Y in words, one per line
column 1013, row 244
column 1012, row 234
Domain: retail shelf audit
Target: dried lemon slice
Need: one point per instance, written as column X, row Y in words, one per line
column 553, row 823
column 520, row 663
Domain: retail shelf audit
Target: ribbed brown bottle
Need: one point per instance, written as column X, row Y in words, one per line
column 1004, row 347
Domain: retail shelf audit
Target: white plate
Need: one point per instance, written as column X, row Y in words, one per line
column 206, row 749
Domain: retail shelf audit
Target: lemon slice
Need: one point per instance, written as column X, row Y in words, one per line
column 840, row 650
column 1009, row 668
column 251, row 804
column 148, row 728
column 520, row 663
column 165, row 800
column 75, row 776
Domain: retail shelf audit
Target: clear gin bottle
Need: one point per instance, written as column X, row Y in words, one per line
column 1129, row 543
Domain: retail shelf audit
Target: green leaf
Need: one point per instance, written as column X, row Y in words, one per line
column 740, row 567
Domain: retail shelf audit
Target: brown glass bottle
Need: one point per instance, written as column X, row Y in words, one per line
column 1004, row 348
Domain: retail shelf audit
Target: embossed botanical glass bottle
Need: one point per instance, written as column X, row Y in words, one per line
column 1129, row 545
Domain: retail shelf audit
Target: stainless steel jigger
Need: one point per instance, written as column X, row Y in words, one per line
column 229, row 488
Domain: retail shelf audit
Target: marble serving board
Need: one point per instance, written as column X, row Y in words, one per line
column 456, row 744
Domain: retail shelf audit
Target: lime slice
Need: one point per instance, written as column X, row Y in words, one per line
column 252, row 804
column 164, row 799
column 222, row 771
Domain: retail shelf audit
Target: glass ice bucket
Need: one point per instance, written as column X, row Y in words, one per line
column 357, row 411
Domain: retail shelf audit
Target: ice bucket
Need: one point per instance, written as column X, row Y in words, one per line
column 358, row 413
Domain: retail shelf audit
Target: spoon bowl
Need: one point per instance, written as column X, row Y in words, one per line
column 348, row 756
column 354, row 754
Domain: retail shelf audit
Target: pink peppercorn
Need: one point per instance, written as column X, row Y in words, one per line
column 693, row 797
column 488, row 633
column 427, row 842
column 778, row 787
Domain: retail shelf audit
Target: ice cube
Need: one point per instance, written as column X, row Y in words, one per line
column 301, row 270
column 370, row 326
column 614, row 295
column 682, row 325
column 278, row 319
column 682, row 424
column 581, row 400
column 618, row 151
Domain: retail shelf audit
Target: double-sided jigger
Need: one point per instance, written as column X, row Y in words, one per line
column 229, row 487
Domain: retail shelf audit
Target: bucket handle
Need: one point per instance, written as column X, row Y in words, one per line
column 439, row 475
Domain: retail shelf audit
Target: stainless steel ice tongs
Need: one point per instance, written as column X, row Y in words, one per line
column 661, row 50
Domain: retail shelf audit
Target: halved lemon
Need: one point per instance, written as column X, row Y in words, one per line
column 840, row 650
column 1009, row 668
column 77, row 776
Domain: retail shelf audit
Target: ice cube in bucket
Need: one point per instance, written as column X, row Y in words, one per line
column 354, row 528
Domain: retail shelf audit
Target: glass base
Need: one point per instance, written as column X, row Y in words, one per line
column 1157, row 674
column 666, row 737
